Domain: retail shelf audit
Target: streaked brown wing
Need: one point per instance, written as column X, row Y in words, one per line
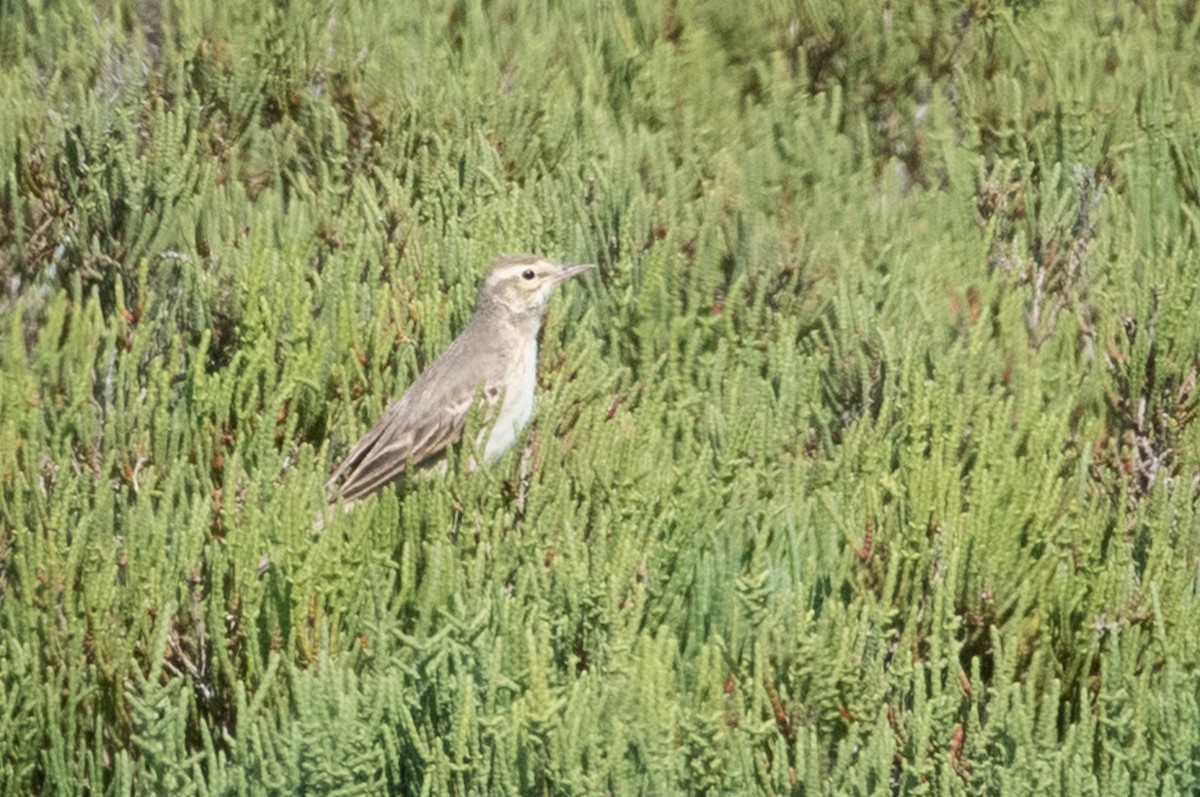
column 398, row 439
column 429, row 416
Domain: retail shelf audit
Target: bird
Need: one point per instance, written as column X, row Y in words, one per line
column 493, row 360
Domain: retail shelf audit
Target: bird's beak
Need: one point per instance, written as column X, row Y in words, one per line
column 571, row 271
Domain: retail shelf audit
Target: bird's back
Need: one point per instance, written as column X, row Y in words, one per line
column 428, row 416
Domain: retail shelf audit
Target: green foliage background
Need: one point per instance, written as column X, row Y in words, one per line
column 865, row 464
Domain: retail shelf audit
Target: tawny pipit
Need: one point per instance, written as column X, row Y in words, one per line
column 494, row 358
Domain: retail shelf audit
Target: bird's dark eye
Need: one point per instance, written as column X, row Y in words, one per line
column 527, row 274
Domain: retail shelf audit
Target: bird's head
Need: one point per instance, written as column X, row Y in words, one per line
column 520, row 285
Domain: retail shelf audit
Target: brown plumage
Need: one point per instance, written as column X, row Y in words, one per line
column 495, row 358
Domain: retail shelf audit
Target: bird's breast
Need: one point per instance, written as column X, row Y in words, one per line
column 516, row 408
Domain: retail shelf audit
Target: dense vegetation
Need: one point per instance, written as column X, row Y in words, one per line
column 865, row 463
